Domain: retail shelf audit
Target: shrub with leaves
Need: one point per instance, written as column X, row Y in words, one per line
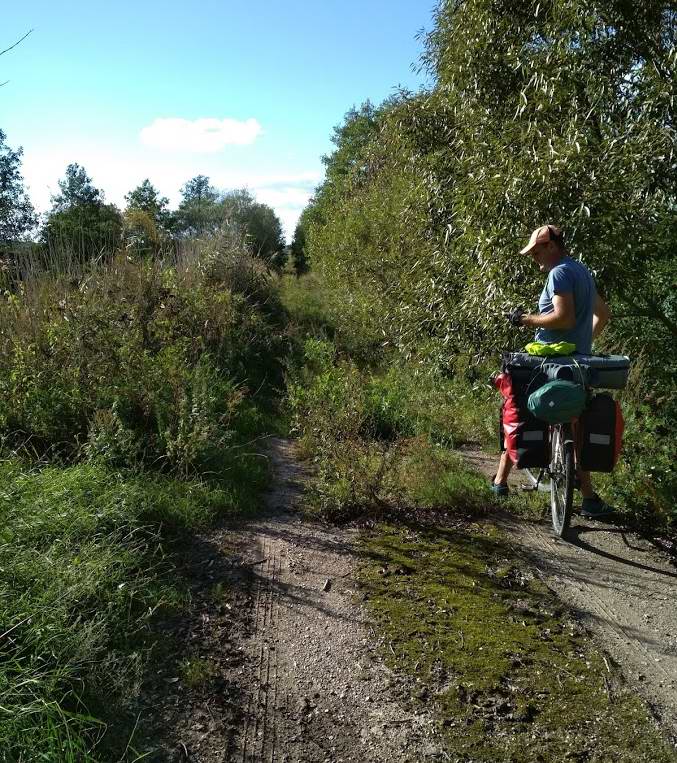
column 144, row 363
column 559, row 112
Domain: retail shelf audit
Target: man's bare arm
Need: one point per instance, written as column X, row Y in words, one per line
column 563, row 315
column 600, row 317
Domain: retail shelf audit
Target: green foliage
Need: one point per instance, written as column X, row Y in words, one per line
column 17, row 216
column 137, row 367
column 143, row 364
column 380, row 438
column 76, row 190
column 79, row 221
column 83, row 571
column 203, row 210
column 259, row 225
column 298, row 249
column 146, row 198
column 320, row 310
column 199, row 212
column 306, row 301
column 147, row 220
column 558, row 112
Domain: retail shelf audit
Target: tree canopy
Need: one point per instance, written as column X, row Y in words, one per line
column 258, row 222
column 146, row 198
column 204, row 210
column 200, row 212
column 17, row 216
column 147, row 219
column 80, row 223
column 557, row 112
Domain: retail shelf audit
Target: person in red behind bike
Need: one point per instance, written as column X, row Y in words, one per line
column 570, row 310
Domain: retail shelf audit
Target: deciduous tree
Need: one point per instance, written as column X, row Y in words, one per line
column 17, row 216
column 80, row 224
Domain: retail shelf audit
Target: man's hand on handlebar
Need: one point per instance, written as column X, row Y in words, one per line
column 515, row 316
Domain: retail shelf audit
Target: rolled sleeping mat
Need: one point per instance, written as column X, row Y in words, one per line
column 597, row 371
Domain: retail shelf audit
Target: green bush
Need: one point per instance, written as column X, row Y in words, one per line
column 144, row 364
column 108, row 379
column 559, row 112
column 335, row 313
column 644, row 483
column 380, row 439
column 435, row 477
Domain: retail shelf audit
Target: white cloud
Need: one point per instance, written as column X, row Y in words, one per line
column 200, row 135
column 288, row 198
column 288, row 203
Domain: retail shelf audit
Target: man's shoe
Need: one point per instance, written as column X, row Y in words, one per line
column 500, row 491
column 596, row 508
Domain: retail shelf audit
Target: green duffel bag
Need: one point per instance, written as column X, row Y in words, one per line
column 557, row 401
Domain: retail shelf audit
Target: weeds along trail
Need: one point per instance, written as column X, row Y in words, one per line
column 127, row 426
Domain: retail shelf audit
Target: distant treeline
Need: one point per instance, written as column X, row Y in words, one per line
column 80, row 222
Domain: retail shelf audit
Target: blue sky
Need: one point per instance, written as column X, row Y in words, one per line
column 244, row 92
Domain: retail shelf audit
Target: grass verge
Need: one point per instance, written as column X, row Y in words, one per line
column 87, row 563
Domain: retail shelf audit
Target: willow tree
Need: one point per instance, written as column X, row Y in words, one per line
column 563, row 111
column 559, row 111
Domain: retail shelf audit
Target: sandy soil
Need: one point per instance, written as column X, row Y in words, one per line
column 317, row 690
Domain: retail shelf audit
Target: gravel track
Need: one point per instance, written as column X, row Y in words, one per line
column 316, row 687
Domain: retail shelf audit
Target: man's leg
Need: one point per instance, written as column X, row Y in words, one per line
column 504, row 469
column 593, row 506
column 586, row 484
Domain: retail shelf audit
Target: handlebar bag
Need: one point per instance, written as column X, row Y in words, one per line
column 522, row 435
column 601, row 434
column 557, row 402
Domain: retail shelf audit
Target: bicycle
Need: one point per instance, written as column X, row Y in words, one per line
column 561, row 471
column 568, row 445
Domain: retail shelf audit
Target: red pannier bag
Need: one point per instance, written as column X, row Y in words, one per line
column 525, row 437
column 601, row 434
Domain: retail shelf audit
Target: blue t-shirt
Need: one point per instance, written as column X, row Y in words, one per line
column 570, row 276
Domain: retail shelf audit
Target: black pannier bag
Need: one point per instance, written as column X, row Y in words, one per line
column 601, row 434
column 529, row 436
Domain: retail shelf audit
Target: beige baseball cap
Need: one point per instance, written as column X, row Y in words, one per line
column 541, row 236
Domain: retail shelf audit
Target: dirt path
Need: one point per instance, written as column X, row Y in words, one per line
column 286, row 666
column 299, row 664
column 620, row 585
column 316, row 689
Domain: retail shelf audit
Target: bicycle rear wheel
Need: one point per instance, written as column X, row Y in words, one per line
column 562, row 472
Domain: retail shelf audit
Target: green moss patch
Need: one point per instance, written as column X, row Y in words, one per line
column 511, row 675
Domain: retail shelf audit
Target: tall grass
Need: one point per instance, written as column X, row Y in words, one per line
column 132, row 393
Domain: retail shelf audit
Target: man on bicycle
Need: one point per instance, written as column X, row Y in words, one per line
column 570, row 310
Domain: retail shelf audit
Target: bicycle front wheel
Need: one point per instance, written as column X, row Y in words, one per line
column 562, row 478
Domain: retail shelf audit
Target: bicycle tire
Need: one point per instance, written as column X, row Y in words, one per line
column 562, row 473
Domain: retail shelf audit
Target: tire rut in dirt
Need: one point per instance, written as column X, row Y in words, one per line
column 260, row 732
